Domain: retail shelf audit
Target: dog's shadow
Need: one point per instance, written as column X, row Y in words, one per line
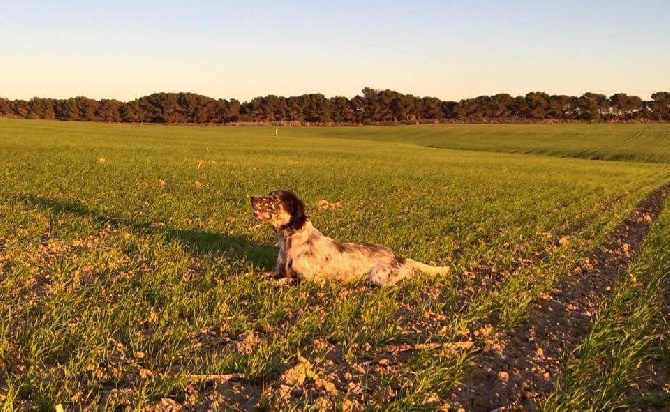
column 196, row 242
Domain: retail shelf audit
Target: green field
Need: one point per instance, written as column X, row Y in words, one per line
column 628, row 142
column 134, row 275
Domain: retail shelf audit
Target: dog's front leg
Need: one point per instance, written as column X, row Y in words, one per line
column 290, row 272
column 281, row 258
column 285, row 259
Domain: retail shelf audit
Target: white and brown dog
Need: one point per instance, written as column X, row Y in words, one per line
column 306, row 253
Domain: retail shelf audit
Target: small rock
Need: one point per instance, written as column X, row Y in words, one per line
column 247, row 342
column 325, row 204
column 327, row 386
column 300, row 373
column 432, row 399
column 146, row 374
column 166, row 404
column 350, row 405
column 503, row 376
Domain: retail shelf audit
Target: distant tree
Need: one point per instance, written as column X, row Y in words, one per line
column 196, row 108
column 108, row 111
column 19, row 108
column 559, row 107
column 87, row 108
column 67, row 109
column 430, row 109
column 161, row 108
column 256, row 110
column 316, row 108
column 624, row 107
column 569, row 105
column 448, row 109
column 537, row 105
column 634, row 107
column 278, row 107
column 42, row 108
column 478, row 109
column 520, row 108
column 462, row 109
column 5, row 108
column 130, row 112
column 501, row 106
column 384, row 100
column 233, row 110
column 190, row 109
column 592, row 106
column 226, row 111
column 371, row 106
column 403, row 107
column 358, row 106
column 294, row 108
column 341, row 110
column 660, row 105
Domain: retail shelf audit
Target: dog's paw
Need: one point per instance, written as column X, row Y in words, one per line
column 281, row 282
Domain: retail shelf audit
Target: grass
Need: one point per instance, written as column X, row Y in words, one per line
column 130, row 259
column 630, row 332
column 627, row 142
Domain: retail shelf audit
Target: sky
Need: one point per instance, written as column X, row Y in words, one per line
column 244, row 49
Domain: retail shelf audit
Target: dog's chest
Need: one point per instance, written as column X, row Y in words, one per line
column 301, row 256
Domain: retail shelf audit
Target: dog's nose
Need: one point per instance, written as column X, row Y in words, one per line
column 252, row 199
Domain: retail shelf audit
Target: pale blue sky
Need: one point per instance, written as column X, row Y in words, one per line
column 448, row 49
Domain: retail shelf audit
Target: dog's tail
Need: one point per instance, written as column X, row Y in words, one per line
column 428, row 269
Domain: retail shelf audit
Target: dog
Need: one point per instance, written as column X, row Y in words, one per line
column 305, row 253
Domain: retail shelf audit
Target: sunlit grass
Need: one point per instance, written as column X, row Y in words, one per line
column 628, row 333
column 130, row 259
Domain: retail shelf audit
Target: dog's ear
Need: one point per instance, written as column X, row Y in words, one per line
column 297, row 210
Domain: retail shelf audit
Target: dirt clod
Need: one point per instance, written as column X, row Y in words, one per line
column 503, row 376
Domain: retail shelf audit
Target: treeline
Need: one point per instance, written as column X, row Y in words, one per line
column 370, row 107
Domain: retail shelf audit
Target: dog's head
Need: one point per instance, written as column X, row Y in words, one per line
column 281, row 208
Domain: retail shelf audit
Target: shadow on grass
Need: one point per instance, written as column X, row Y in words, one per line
column 194, row 241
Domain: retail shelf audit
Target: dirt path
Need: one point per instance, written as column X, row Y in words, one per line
column 521, row 374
